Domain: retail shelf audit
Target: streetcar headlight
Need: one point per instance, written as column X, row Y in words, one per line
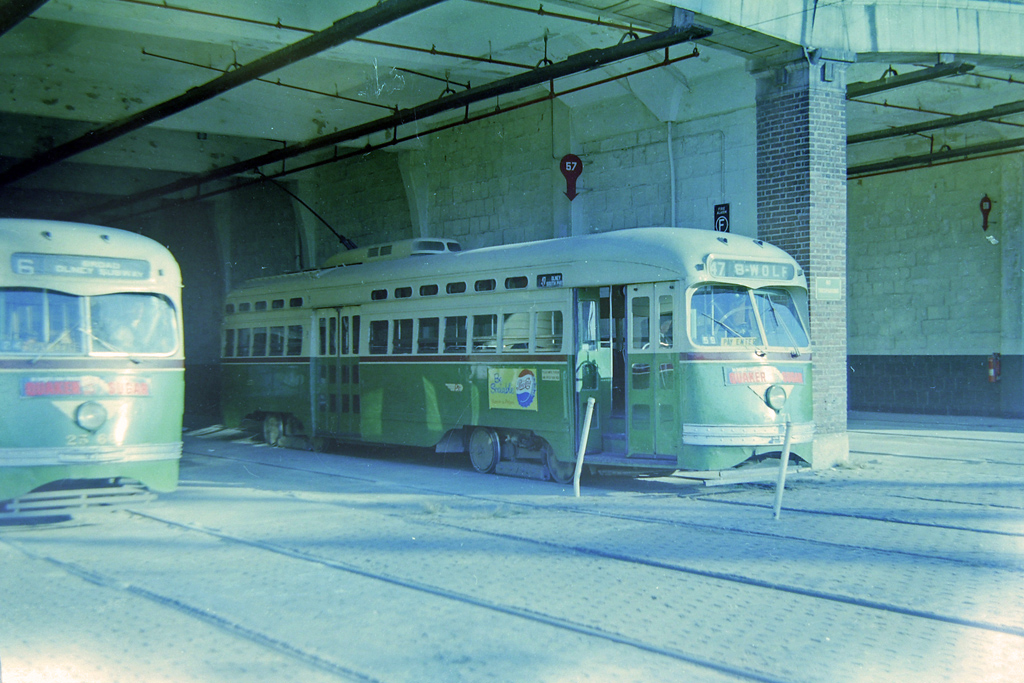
column 91, row 416
column 775, row 397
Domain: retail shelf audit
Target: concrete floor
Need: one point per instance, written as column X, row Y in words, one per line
column 398, row 565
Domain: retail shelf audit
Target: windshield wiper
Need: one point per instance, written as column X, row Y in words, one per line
column 64, row 336
column 795, row 351
column 728, row 329
column 111, row 347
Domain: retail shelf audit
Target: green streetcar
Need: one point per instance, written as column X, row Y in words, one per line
column 692, row 343
column 91, row 366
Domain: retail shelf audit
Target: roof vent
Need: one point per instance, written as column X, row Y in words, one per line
column 393, row 250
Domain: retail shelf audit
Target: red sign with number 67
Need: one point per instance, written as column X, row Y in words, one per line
column 571, row 167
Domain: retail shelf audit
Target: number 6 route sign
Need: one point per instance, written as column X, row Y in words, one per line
column 571, row 167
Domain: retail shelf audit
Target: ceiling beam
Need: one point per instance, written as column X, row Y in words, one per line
column 931, row 73
column 935, row 124
column 682, row 31
column 341, row 31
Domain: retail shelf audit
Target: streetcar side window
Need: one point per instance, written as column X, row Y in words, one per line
column 276, row 341
column 665, row 322
column 244, row 336
column 549, row 330
column 294, row 340
column 485, row 333
column 455, row 334
column 259, row 341
column 640, row 333
column 426, row 341
column 588, row 325
column 402, row 341
column 378, row 337
column 515, row 332
column 229, row 343
column 344, row 335
column 328, row 336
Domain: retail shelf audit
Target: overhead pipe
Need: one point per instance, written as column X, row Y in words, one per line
column 13, row 12
column 480, row 116
column 931, row 73
column 341, row 31
column 928, row 159
column 947, row 122
column 682, row 31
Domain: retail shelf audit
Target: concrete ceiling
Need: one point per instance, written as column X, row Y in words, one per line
column 73, row 66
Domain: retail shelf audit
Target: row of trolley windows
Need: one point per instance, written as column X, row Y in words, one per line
column 540, row 331
column 486, row 285
column 275, row 304
column 263, row 341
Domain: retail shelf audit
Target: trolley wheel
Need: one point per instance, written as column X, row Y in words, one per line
column 561, row 472
column 273, row 430
column 484, row 449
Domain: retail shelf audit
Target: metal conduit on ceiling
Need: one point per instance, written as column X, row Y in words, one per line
column 341, row 31
column 262, row 177
column 855, row 90
column 682, row 31
column 947, row 122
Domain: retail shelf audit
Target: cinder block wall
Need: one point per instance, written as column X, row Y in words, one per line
column 930, row 296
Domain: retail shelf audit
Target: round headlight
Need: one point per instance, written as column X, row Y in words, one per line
column 91, row 416
column 775, row 397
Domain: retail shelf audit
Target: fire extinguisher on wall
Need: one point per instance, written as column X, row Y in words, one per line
column 994, row 369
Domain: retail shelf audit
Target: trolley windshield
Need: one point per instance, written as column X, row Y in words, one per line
column 730, row 315
column 42, row 322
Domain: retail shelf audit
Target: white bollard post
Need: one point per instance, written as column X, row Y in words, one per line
column 780, row 486
column 583, row 446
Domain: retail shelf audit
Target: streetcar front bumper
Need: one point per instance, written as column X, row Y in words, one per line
column 87, row 455
column 746, row 435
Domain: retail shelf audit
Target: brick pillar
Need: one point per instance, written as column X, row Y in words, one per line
column 801, row 207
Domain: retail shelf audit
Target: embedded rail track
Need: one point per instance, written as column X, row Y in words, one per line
column 681, row 577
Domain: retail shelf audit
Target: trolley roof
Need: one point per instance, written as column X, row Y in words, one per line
column 623, row 256
column 77, row 256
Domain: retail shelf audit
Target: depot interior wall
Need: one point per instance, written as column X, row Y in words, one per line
column 361, row 198
column 489, row 182
column 639, row 170
column 498, row 180
column 930, row 295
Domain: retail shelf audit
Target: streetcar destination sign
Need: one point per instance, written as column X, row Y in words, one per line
column 761, row 270
column 79, row 266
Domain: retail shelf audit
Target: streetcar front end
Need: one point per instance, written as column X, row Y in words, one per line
column 745, row 364
column 91, row 366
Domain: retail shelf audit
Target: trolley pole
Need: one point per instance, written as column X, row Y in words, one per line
column 583, row 446
column 783, row 464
